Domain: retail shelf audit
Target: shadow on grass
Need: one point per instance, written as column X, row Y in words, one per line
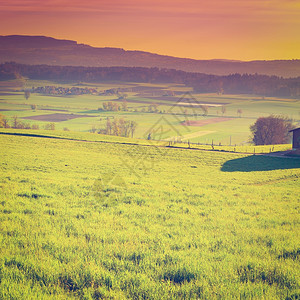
column 259, row 163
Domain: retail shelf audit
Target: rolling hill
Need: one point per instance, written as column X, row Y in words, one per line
column 47, row 50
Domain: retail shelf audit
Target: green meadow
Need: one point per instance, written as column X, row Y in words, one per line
column 183, row 215
column 86, row 216
column 166, row 123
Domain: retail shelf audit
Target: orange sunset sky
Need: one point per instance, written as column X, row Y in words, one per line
column 213, row 29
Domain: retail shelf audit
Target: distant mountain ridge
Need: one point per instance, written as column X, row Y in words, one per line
column 46, row 50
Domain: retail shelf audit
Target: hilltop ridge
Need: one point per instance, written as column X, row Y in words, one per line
column 51, row 51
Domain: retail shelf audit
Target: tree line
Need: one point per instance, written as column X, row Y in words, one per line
column 202, row 83
column 16, row 123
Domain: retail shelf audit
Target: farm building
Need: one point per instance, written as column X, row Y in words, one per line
column 296, row 138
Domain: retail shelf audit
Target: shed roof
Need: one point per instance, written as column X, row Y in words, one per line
column 295, row 129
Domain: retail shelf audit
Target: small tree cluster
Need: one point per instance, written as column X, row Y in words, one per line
column 16, row 123
column 111, row 106
column 114, row 106
column 271, row 130
column 4, row 123
column 152, row 108
column 49, row 126
column 118, row 127
column 122, row 96
column 204, row 109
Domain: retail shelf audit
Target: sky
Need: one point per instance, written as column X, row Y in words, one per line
column 200, row 29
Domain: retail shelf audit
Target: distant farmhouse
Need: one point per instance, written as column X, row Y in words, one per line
column 296, row 138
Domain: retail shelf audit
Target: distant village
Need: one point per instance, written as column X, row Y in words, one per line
column 65, row 91
column 58, row 90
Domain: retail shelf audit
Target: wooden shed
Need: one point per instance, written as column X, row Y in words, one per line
column 296, row 138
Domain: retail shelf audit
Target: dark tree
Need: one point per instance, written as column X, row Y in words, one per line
column 239, row 112
column 16, row 122
column 223, row 110
column 105, row 105
column 26, row 94
column 271, row 130
column 133, row 126
column 5, row 122
column 124, row 105
column 108, row 126
column 204, row 109
column 1, row 121
column 122, row 96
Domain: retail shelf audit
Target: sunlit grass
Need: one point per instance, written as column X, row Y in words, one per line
column 179, row 224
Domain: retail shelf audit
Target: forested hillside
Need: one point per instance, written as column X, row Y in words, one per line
column 202, row 83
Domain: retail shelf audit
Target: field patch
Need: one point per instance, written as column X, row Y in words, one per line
column 56, row 117
column 8, row 94
column 93, row 111
column 189, row 135
column 175, row 101
column 53, row 109
column 185, row 102
column 205, row 122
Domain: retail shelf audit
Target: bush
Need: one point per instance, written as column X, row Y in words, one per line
column 50, row 126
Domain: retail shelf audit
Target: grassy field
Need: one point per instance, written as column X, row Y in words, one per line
column 168, row 119
column 102, row 217
column 92, row 137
